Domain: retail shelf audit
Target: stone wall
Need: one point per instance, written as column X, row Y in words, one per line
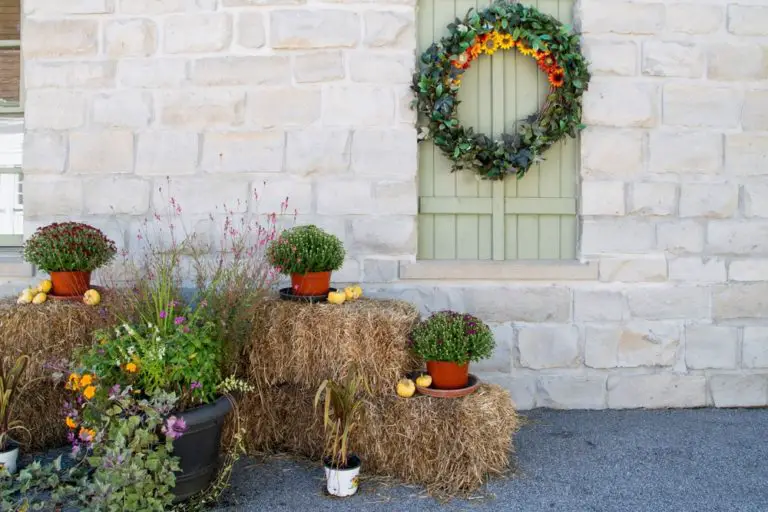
column 669, row 304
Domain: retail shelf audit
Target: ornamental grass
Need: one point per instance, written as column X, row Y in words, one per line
column 304, row 344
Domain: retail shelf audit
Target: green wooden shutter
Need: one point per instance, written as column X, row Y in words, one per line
column 461, row 217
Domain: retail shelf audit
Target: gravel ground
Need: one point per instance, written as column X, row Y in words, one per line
column 681, row 460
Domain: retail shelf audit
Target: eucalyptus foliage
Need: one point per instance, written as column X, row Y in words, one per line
column 436, row 88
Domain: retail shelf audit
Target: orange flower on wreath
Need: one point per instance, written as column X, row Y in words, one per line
column 557, row 77
column 462, row 61
column 548, row 64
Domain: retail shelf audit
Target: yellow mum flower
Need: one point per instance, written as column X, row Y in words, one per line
column 70, row 423
column 86, row 380
column 131, row 368
column 89, row 392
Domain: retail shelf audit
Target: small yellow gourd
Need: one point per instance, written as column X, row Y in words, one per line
column 406, row 388
column 337, row 297
column 92, row 297
column 40, row 298
column 45, row 286
column 424, row 381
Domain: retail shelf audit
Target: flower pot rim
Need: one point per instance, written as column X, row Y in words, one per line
column 12, row 446
column 354, row 463
column 212, row 410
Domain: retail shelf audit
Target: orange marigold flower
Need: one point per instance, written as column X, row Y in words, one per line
column 474, row 52
column 86, row 380
column 70, row 422
column 73, row 382
column 557, row 77
column 89, row 392
column 131, row 368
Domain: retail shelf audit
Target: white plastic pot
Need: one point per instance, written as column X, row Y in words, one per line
column 8, row 459
column 343, row 482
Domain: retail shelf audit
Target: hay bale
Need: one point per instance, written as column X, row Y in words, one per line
column 303, row 344
column 447, row 445
column 49, row 333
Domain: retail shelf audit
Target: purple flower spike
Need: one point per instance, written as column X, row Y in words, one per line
column 174, row 427
column 178, row 320
column 195, row 385
column 163, row 314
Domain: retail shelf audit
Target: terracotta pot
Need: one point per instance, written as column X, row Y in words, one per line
column 448, row 375
column 311, row 283
column 67, row 284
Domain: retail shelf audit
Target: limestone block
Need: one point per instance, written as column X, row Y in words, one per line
column 247, row 3
column 522, row 388
column 325, row 28
column 233, row 70
column 250, row 30
column 202, row 109
column 154, row 73
column 48, row 195
column 358, row 105
column 384, row 235
column 711, row 346
column 697, row 270
column 754, row 352
column 633, row 345
column 650, row 268
column 755, row 114
column 45, row 152
column 608, row 153
column 718, row 200
column 702, row 106
column 748, row 270
column 396, row 197
column 734, row 390
column 314, row 150
column 322, row 66
column 385, row 152
column 116, row 195
column 167, row 152
column 680, row 237
column 602, row 198
column 501, row 360
column 656, row 391
column 616, row 103
column 130, row 38
column 122, row 109
column 345, row 197
column 147, row 7
column 694, row 18
column 737, row 237
column 520, row 304
column 290, row 194
column 673, row 59
column 549, row 346
column 54, row 38
column 405, row 112
column 685, row 152
column 47, row 8
column 654, row 199
column 197, row 33
column 611, row 57
column 381, row 68
column 205, row 195
column 755, row 204
column 628, row 236
column 571, row 391
column 283, row 107
column 101, row 152
column 746, row 154
column 748, row 20
column 740, row 301
column 389, row 29
column 675, row 302
column 45, row 74
column 736, row 61
column 54, row 110
column 599, row 306
column 243, row 151
column 621, row 17
column 377, row 270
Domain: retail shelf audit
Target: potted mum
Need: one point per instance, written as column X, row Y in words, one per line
column 69, row 252
column 448, row 341
column 309, row 255
column 10, row 390
column 343, row 406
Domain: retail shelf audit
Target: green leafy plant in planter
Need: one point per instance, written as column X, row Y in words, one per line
column 448, row 341
column 343, row 405
column 309, row 255
column 11, row 373
column 69, row 252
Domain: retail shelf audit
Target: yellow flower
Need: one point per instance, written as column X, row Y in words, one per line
column 70, row 423
column 525, row 50
column 86, row 434
column 131, row 368
column 506, row 41
column 86, row 380
column 89, row 392
column 73, row 382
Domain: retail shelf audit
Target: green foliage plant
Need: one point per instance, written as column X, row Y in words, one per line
column 304, row 249
column 437, row 81
column 452, row 337
column 343, row 405
column 69, row 246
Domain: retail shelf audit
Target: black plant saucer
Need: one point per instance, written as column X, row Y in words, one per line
column 287, row 294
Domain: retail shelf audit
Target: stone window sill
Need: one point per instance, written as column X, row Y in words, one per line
column 499, row 270
column 12, row 266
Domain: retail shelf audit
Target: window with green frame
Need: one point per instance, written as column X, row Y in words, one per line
column 11, row 92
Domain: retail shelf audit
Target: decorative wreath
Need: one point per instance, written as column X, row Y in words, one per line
column 502, row 26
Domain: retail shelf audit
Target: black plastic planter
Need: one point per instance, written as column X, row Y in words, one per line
column 199, row 447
